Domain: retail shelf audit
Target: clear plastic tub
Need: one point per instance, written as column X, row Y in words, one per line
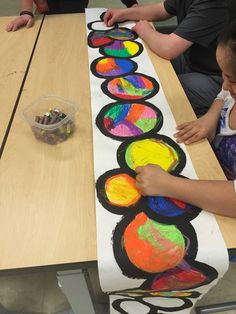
column 51, row 118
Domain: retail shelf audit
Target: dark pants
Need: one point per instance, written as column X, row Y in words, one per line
column 67, row 6
column 201, row 89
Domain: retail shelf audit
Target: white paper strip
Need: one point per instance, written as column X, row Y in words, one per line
column 211, row 247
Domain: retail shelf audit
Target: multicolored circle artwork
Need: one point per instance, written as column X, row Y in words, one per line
column 154, row 239
column 112, row 67
column 122, row 49
column 123, row 120
column 120, row 33
column 98, row 39
column 152, row 246
column 131, row 87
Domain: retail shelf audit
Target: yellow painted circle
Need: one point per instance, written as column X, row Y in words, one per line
column 121, row 190
column 151, row 151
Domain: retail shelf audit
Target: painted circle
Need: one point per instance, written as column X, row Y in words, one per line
column 131, row 87
column 151, row 151
column 121, row 34
column 112, row 67
column 98, row 26
column 122, row 49
column 98, row 39
column 120, row 120
column 121, row 190
column 179, row 278
column 169, row 207
column 151, row 246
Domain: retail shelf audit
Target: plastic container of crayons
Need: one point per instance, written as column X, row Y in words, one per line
column 51, row 118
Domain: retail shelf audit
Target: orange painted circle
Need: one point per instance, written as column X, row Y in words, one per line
column 152, row 246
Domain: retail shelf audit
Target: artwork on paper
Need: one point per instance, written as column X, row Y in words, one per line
column 151, row 250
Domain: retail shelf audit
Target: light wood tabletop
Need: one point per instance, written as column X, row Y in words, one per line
column 47, row 207
column 15, row 53
column 47, row 191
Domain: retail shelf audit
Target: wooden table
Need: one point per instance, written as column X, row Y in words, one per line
column 48, row 211
column 15, row 52
column 47, row 207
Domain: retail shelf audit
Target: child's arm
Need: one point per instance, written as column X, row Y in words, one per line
column 204, row 127
column 41, row 6
column 26, row 17
column 168, row 46
column 149, row 12
column 218, row 197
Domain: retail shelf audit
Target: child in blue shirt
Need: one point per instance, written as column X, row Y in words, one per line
column 218, row 125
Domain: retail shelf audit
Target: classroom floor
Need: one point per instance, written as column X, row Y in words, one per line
column 39, row 293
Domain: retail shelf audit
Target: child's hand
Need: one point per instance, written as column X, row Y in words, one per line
column 194, row 131
column 114, row 15
column 20, row 21
column 152, row 180
column 142, row 28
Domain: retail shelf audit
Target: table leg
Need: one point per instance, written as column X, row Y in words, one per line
column 74, row 284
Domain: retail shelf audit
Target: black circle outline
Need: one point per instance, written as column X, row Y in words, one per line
column 101, row 194
column 123, row 147
column 121, row 257
column 90, row 41
column 153, row 308
column 90, row 26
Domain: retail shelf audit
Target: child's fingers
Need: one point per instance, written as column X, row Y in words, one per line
column 184, row 125
column 134, row 27
column 9, row 27
column 19, row 22
column 15, row 27
column 183, row 131
column 138, row 169
column 105, row 17
column 108, row 18
column 138, row 179
column 195, row 138
column 138, row 184
column 140, row 188
column 30, row 23
column 183, row 136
